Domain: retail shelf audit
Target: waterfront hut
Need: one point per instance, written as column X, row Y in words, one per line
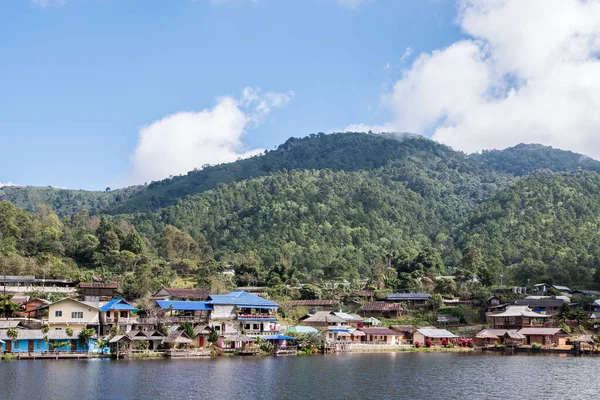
column 545, row 336
column 155, row 338
column 380, row 336
column 436, row 336
column 513, row 338
column 489, row 336
column 201, row 334
column 406, row 332
column 177, row 339
column 280, row 341
column 239, row 341
column 119, row 344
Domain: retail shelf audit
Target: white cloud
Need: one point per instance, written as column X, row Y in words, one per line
column 9, row 183
column 353, row 4
column 407, row 53
column 367, row 128
column 49, row 3
column 183, row 141
column 529, row 71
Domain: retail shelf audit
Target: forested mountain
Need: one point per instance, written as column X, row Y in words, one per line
column 324, row 207
column 527, row 158
column 65, row 201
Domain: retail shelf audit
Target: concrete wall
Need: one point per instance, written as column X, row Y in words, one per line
column 90, row 314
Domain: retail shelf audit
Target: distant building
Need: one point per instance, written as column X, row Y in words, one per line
column 381, row 309
column 96, row 292
column 182, row 294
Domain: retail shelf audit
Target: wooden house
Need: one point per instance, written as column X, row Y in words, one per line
column 409, row 299
column 435, row 335
column 177, row 339
column 547, row 306
column 313, row 305
column 406, row 331
column 187, row 294
column 380, row 336
column 516, row 317
column 381, row 309
column 545, row 336
column 96, row 292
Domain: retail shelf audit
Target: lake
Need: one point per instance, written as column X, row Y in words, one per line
column 344, row 376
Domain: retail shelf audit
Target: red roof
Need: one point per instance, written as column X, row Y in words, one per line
column 381, row 306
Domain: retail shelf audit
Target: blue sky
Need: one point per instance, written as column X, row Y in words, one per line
column 80, row 78
column 98, row 93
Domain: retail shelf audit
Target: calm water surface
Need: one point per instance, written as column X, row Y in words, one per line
column 349, row 376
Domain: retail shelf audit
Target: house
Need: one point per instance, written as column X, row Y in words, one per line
column 323, row 318
column 71, row 313
column 188, row 294
column 435, row 335
column 411, row 299
column 562, row 289
column 153, row 338
column 381, row 309
column 243, row 310
column 116, row 312
column 406, row 331
column 496, row 336
column 584, row 293
column 96, row 292
column 445, row 320
column 174, row 312
column 516, row 317
column 380, row 336
column 29, row 283
column 36, row 341
column 176, row 339
column 546, row 306
column 31, row 307
column 493, row 301
column 545, row 336
column 201, row 334
column 313, row 305
column 351, row 319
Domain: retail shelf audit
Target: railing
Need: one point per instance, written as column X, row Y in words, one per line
column 121, row 320
column 155, row 320
column 257, row 316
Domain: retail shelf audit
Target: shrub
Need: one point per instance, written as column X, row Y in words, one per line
column 536, row 346
column 444, row 342
column 428, row 343
column 418, row 344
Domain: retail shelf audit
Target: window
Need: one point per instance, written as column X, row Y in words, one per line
column 123, row 314
column 58, row 313
column 108, row 314
column 58, row 329
column 77, row 314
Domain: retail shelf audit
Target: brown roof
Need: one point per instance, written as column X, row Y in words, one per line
column 98, row 285
column 381, row 306
column 319, row 302
column 543, row 331
column 188, row 293
column 404, row 328
column 380, row 331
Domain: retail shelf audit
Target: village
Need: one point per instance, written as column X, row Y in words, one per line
column 93, row 320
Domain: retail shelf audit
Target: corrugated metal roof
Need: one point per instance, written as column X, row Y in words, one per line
column 181, row 305
column 381, row 306
column 346, row 317
column 436, row 333
column 86, row 285
column 408, row 296
column 241, row 298
column 318, row 302
column 404, row 328
column 186, row 293
column 117, row 304
column 542, row 331
column 535, row 303
column 323, row 316
column 9, row 324
column 519, row 311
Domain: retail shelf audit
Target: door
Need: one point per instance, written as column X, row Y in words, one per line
column 73, row 346
column 30, row 346
column 8, row 346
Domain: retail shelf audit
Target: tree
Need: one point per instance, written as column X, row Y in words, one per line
column 7, row 306
column 12, row 334
column 446, row 287
column 435, row 301
column 310, row 292
column 69, row 332
column 187, row 328
column 86, row 335
column 134, row 243
column 565, row 312
column 213, row 336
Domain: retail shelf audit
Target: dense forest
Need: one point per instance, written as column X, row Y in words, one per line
column 398, row 209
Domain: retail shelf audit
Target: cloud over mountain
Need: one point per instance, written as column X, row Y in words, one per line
column 186, row 140
column 529, row 71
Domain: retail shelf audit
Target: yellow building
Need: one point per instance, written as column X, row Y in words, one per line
column 74, row 314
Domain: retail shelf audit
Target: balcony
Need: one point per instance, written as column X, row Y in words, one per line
column 257, row 317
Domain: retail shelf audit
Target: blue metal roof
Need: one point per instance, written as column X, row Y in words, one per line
column 278, row 337
column 118, row 304
column 240, row 298
column 178, row 305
